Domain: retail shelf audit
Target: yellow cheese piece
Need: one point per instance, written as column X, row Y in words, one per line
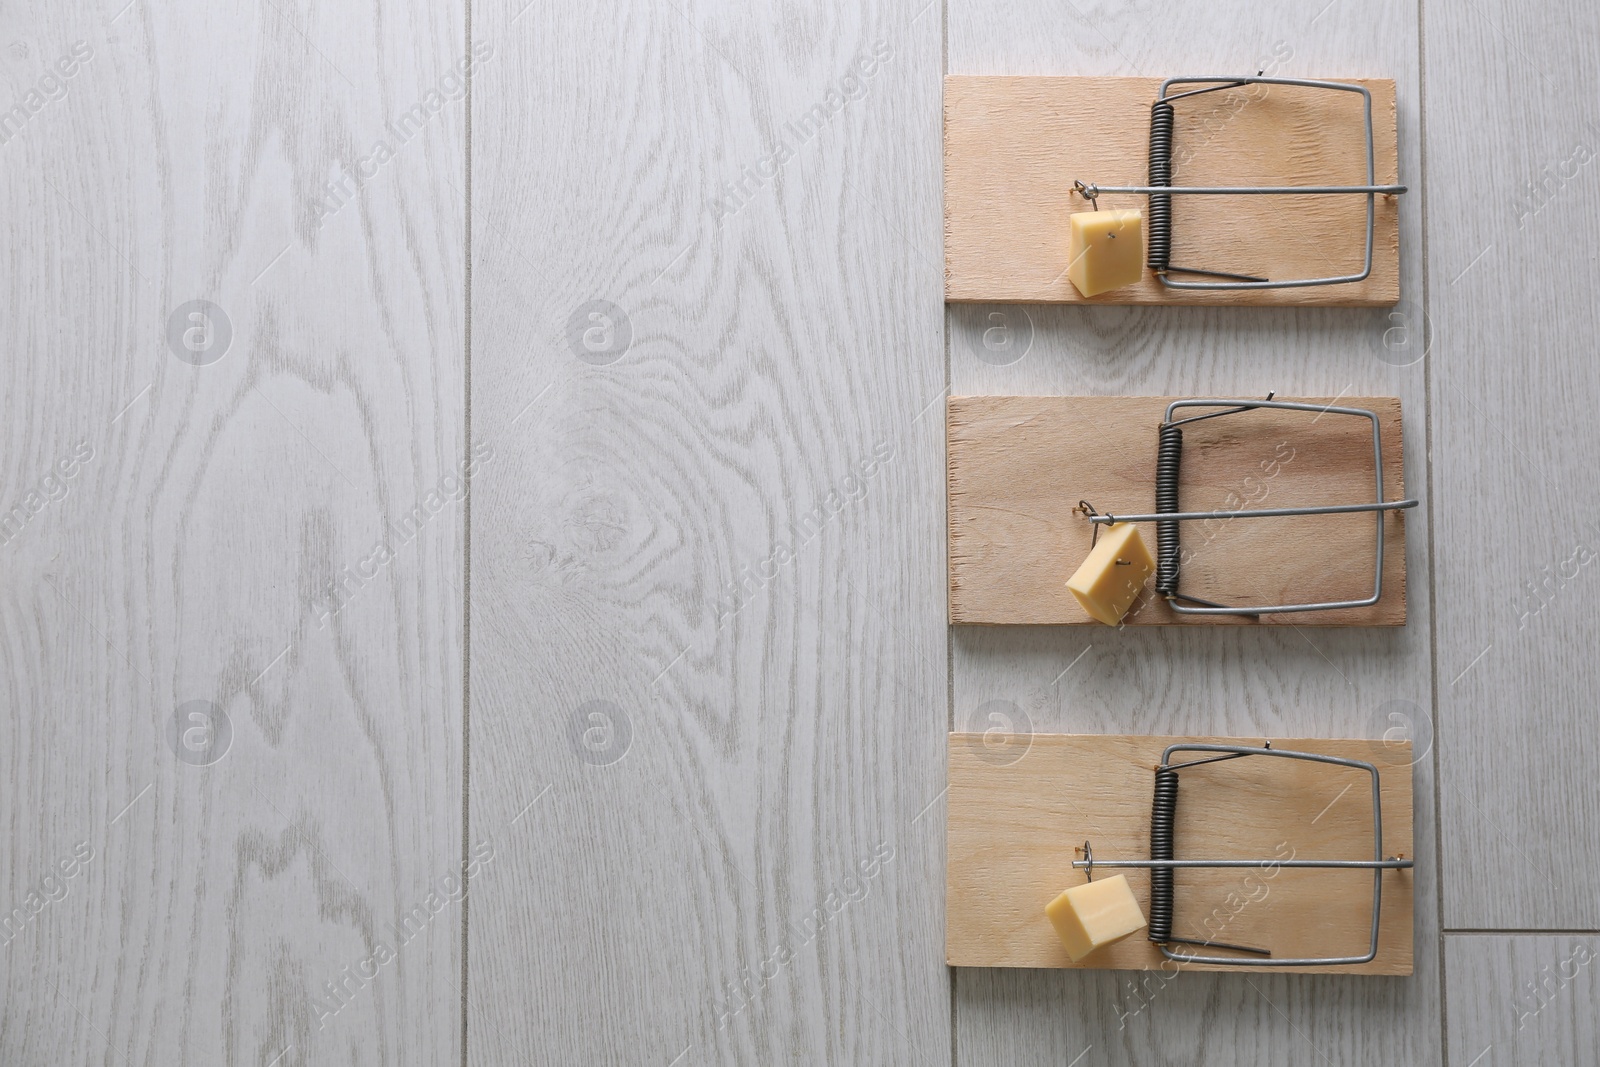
column 1111, row 578
column 1105, row 250
column 1094, row 914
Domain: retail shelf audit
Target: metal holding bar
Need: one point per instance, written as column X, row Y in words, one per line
column 1090, row 192
column 1390, row 864
column 1255, row 513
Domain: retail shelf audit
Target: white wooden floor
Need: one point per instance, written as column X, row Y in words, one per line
column 636, row 754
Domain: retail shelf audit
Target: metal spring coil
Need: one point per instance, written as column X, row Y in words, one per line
column 1159, row 240
column 1163, row 813
column 1169, row 454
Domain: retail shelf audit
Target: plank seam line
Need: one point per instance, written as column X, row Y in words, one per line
column 944, row 578
column 466, row 537
column 1433, row 582
column 1508, row 931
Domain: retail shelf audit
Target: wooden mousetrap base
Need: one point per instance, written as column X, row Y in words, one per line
column 1013, row 147
column 1013, row 827
column 1018, row 465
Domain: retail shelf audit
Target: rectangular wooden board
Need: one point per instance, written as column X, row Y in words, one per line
column 1014, row 145
column 1014, row 821
column 1018, row 465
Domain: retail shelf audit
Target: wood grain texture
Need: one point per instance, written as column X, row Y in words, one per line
column 1522, row 998
column 784, row 326
column 1512, row 376
column 1016, row 815
column 1020, row 465
column 197, row 516
column 1243, row 681
column 1015, row 145
column 728, row 531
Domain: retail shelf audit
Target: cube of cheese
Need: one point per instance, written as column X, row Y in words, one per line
column 1111, row 578
column 1094, row 914
column 1105, row 250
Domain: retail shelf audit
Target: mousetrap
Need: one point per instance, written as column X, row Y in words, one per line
column 1253, row 190
column 1293, row 854
column 1290, row 511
